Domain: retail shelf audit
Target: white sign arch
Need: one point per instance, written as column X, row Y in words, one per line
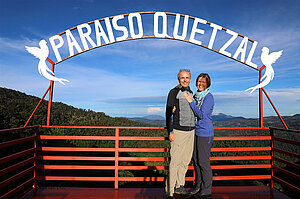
column 166, row 25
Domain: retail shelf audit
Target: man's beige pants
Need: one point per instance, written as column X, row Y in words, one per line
column 181, row 154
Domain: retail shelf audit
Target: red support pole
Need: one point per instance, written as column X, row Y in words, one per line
column 117, row 159
column 261, row 116
column 36, row 107
column 36, row 134
column 50, row 94
column 272, row 157
column 275, row 109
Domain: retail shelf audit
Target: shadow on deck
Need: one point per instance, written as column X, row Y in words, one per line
column 229, row 192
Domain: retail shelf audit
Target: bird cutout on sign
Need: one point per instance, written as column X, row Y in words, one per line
column 42, row 53
column 267, row 60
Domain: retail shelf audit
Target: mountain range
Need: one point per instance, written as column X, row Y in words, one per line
column 223, row 120
column 153, row 118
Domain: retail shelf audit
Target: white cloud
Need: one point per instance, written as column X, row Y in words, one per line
column 8, row 45
column 152, row 110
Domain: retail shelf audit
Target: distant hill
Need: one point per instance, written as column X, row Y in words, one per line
column 223, row 120
column 150, row 119
column 16, row 107
column 159, row 120
column 224, row 117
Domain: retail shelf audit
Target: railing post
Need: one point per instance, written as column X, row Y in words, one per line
column 36, row 136
column 272, row 156
column 50, row 94
column 117, row 158
column 260, row 96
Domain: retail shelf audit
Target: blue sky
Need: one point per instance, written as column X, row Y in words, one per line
column 132, row 78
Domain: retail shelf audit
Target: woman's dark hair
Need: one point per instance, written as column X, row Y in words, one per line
column 207, row 78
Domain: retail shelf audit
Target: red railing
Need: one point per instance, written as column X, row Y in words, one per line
column 52, row 158
column 287, row 157
column 18, row 171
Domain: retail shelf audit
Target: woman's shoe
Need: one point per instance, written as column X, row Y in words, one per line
column 194, row 191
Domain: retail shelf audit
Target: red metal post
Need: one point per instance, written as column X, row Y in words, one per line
column 272, row 157
column 261, row 117
column 117, row 159
column 50, row 94
column 36, row 132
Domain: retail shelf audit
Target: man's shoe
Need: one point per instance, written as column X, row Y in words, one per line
column 194, row 191
column 202, row 196
column 181, row 191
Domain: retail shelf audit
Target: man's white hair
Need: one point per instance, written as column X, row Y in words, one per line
column 183, row 70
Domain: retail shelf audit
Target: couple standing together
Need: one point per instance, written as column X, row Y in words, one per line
column 190, row 138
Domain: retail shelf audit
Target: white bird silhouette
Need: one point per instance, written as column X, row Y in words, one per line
column 42, row 53
column 267, row 59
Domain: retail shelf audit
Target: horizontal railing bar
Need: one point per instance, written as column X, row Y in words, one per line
column 18, row 129
column 241, row 158
column 289, row 130
column 287, row 141
column 241, row 149
column 192, row 179
column 142, row 150
column 18, row 188
column 289, row 173
column 59, row 149
column 71, row 178
column 252, row 177
column 17, row 176
column 244, row 138
column 142, row 138
column 254, row 166
column 297, row 166
column 65, row 137
column 216, row 167
column 211, row 158
column 16, row 155
column 15, row 166
column 76, row 158
column 286, row 153
column 75, row 178
column 84, row 167
column 103, row 127
column 146, row 158
column 17, row 141
column 135, row 127
column 284, row 183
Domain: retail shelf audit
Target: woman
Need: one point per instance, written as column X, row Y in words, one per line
column 202, row 105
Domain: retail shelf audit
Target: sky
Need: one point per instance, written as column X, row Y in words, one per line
column 132, row 78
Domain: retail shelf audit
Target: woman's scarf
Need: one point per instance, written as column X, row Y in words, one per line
column 199, row 97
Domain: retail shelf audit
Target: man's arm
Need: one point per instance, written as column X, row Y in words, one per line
column 169, row 111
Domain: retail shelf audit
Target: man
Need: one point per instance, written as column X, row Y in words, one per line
column 180, row 122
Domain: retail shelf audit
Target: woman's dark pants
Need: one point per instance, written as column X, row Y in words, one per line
column 201, row 154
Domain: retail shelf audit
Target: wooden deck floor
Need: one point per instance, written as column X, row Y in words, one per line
column 240, row 192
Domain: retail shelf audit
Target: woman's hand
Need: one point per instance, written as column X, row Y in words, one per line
column 187, row 97
column 172, row 137
column 174, row 109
